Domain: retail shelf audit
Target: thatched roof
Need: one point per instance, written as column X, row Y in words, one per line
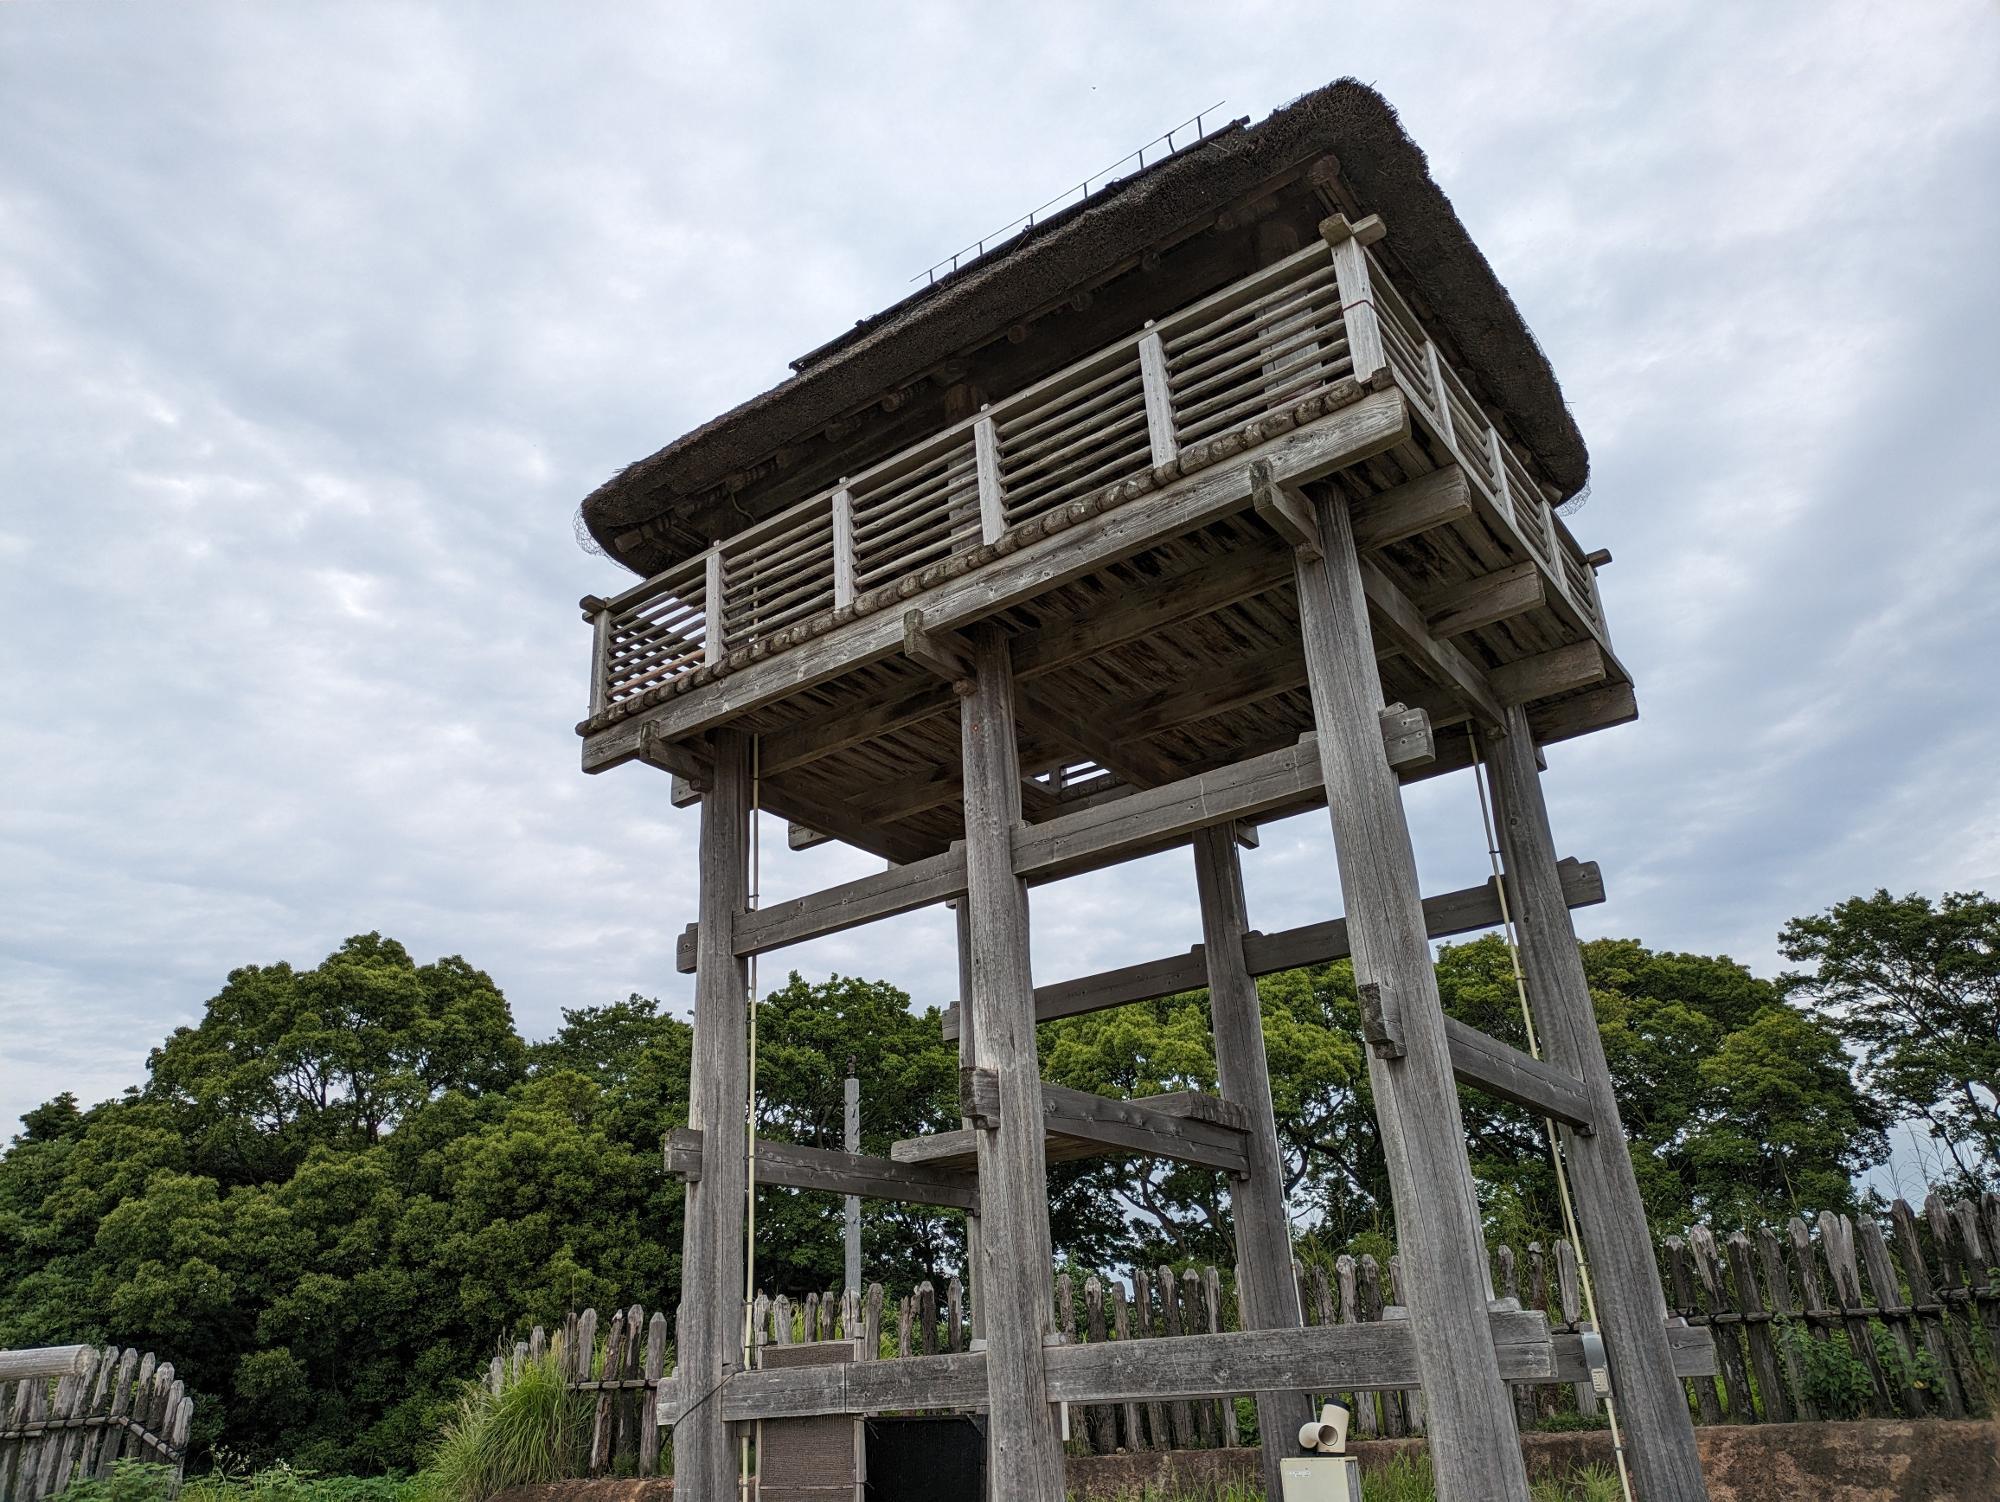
column 663, row 508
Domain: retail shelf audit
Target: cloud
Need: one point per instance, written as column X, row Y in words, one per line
column 321, row 320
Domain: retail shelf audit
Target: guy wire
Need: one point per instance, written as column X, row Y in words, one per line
column 1479, row 776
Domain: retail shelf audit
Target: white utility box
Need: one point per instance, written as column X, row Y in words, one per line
column 1321, row 1478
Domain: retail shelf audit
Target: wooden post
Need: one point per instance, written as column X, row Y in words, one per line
column 1159, row 398
column 1268, row 1296
column 986, row 463
column 712, row 1292
column 843, row 547
column 851, row 1136
column 712, row 602
column 1652, row 1404
column 1474, row 1447
column 975, row 1246
column 1024, row 1450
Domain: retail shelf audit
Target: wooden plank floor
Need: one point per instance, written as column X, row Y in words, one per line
column 1174, row 661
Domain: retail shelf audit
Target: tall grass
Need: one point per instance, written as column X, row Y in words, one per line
column 534, row 1429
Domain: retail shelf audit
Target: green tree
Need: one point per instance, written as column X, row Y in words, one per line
column 1916, row 987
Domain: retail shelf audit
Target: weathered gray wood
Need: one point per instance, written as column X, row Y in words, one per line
column 1474, row 1447
column 1265, row 1291
column 649, row 1417
column 1836, row 1234
column 1211, row 1301
column 1507, row 1283
column 1368, row 426
column 1404, row 627
column 1777, row 1287
column 1569, row 1293
column 1100, row 1419
column 1502, row 1070
column 1024, row 1448
column 1359, row 1357
column 45, row 1362
column 1957, row 1370
column 1429, row 501
column 1446, row 914
column 1160, row 435
column 1710, row 1272
column 1889, row 1301
column 1611, row 1216
column 1691, row 1348
column 1757, row 1330
column 1159, row 818
column 1284, row 510
column 1560, row 670
column 901, row 889
column 792, row 1165
column 1077, row 1124
column 712, row 1292
column 1121, row 1328
column 1484, row 601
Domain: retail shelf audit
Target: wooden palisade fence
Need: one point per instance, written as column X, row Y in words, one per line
column 1847, row 1317
column 110, row 1405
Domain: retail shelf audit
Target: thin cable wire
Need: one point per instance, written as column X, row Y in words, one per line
column 1479, row 775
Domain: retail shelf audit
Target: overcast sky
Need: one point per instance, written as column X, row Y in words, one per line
column 318, row 321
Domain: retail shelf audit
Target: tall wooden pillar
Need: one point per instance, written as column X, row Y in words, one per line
column 1471, row 1416
column 975, row 1251
column 1024, row 1449
column 711, row 1314
column 1611, row 1218
column 1269, row 1293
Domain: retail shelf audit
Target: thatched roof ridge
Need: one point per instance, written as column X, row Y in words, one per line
column 1385, row 171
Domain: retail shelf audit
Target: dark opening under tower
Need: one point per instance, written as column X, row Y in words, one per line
column 1222, row 494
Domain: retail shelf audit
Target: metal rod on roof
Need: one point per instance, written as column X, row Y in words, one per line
column 1027, row 221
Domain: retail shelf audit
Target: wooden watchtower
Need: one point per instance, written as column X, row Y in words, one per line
column 1224, row 494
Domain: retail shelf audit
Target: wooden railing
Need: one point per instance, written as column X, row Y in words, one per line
column 110, row 1405
column 1263, row 344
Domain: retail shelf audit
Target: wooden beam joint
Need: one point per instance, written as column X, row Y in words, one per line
column 942, row 653
column 1286, row 511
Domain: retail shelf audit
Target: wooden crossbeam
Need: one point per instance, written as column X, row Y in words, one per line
column 900, row 889
column 940, row 653
column 1404, row 625
column 1151, row 819
column 1186, row 1127
column 789, row 804
column 792, row 1165
column 1420, row 505
column 1448, row 913
column 1373, row 1357
column 1484, row 601
column 1158, row 818
column 1285, row 511
column 1560, row 671
column 1502, row 1070
column 1376, row 422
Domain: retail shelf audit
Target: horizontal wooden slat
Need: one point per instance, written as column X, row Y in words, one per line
column 792, row 1165
column 1502, row 1070
column 901, row 889
column 1446, row 914
column 1358, row 430
column 1182, row 1128
column 1376, row 1356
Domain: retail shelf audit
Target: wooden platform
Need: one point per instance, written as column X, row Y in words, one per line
column 1153, row 620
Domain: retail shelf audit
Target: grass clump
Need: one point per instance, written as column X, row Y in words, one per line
column 534, row 1429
